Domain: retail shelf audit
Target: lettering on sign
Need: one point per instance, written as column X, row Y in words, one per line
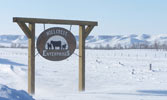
column 56, row 44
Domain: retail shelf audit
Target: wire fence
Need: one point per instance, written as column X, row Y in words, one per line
column 107, row 53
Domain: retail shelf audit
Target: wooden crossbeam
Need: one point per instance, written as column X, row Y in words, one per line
column 53, row 21
column 88, row 30
column 25, row 29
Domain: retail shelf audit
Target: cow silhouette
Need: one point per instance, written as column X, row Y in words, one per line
column 56, row 44
column 49, row 46
column 64, row 46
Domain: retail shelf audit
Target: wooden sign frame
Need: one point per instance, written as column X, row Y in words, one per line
column 85, row 27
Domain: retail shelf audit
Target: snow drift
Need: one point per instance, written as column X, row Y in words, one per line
column 7, row 93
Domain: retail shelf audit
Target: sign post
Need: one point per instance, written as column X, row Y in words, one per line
column 81, row 58
column 85, row 27
column 31, row 59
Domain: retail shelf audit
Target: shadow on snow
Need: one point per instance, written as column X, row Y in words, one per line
column 139, row 93
column 146, row 93
column 1, row 98
column 6, row 61
column 154, row 92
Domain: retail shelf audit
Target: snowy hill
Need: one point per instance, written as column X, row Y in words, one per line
column 13, row 41
column 124, row 41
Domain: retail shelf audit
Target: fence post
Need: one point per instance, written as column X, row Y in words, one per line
column 150, row 66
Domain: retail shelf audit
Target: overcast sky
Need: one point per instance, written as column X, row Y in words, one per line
column 114, row 17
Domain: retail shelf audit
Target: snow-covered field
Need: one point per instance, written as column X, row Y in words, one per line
column 110, row 75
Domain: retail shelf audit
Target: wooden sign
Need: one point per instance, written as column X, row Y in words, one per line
column 56, row 44
column 52, row 51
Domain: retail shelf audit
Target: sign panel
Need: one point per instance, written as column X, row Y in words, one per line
column 56, row 44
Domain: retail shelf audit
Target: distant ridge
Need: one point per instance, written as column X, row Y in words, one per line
column 100, row 41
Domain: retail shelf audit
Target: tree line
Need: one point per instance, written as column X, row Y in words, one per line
column 156, row 45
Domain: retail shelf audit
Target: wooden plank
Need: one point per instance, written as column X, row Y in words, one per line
column 54, row 21
column 31, row 60
column 81, row 58
column 88, row 30
column 25, row 29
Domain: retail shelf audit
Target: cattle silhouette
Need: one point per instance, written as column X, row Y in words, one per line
column 49, row 46
column 56, row 44
column 64, row 46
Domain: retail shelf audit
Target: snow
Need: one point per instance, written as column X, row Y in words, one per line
column 110, row 75
column 7, row 93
